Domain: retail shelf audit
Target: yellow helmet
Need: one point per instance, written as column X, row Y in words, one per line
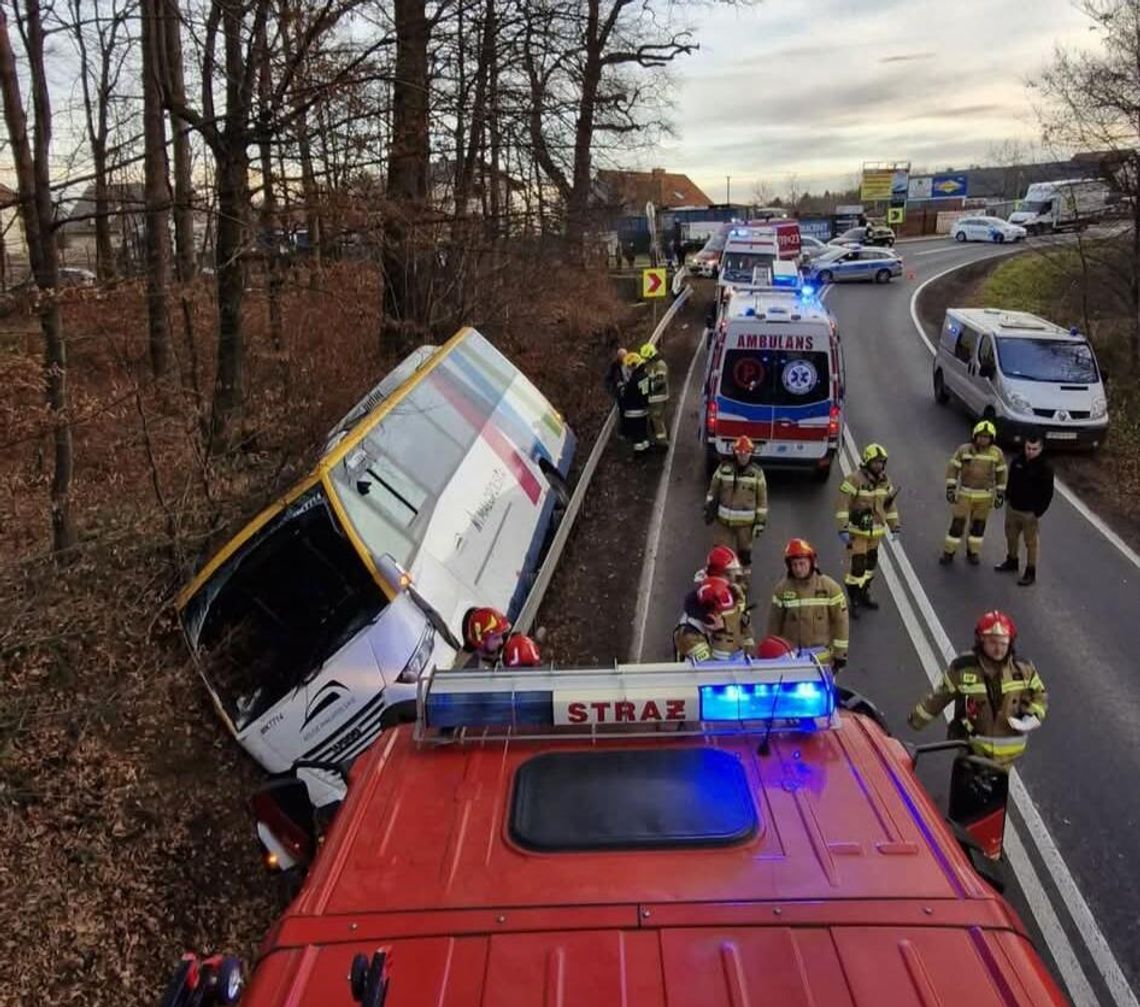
column 648, row 351
column 633, row 360
column 872, row 452
column 986, row 428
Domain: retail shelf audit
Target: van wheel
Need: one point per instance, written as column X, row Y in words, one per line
column 883, row 276
column 960, row 236
column 821, row 475
column 941, row 396
column 824, row 277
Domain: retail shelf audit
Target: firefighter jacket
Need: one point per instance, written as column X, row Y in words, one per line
column 1030, row 484
column 740, row 495
column 810, row 613
column 977, row 473
column 867, row 505
column 985, row 695
column 658, row 372
column 634, row 396
column 737, row 632
column 691, row 639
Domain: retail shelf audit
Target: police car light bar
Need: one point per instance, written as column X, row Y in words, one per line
column 740, row 691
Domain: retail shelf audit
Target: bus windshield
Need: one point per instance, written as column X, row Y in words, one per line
column 279, row 607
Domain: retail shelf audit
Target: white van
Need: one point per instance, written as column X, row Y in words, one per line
column 1024, row 372
column 1051, row 206
column 775, row 373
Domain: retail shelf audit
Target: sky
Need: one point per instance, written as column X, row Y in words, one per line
column 816, row 87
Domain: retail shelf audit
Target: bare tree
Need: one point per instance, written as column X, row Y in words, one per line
column 100, row 33
column 157, row 189
column 1092, row 101
column 170, row 60
column 32, row 160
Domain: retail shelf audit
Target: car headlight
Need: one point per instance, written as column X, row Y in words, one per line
column 419, row 659
column 1099, row 407
column 1018, row 401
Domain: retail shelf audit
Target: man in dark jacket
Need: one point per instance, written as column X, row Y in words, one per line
column 1029, row 493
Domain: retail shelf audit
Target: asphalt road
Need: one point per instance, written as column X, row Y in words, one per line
column 1074, row 837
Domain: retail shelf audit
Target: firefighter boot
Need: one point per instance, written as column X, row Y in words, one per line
column 865, row 598
column 1007, row 565
column 1028, row 577
column 972, row 558
column 854, row 597
column 946, row 558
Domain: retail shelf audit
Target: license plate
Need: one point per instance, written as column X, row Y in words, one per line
column 1061, row 435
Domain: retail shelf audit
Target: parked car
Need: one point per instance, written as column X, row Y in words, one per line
column 985, row 228
column 871, row 234
column 1023, row 372
column 812, row 248
column 72, row 276
column 857, row 263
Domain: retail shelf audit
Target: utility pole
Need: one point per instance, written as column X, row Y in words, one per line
column 728, row 188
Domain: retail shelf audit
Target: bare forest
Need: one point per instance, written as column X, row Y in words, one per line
column 225, row 221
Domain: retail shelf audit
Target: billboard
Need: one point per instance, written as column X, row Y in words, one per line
column 899, row 179
column 876, row 184
column 920, row 188
column 949, row 185
column 817, row 228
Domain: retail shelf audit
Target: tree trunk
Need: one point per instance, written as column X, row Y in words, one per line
column 270, row 224
column 157, row 188
column 104, row 252
column 407, row 161
column 577, row 206
column 185, row 260
column 232, row 184
column 34, row 184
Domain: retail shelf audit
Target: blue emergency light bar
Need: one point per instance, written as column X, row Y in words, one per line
column 741, row 691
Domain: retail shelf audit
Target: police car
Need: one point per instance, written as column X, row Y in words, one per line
column 856, row 263
column 702, row 834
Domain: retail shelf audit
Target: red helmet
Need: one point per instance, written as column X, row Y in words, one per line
column 799, row 548
column 721, row 562
column 714, row 595
column 521, row 652
column 995, row 623
column 481, row 623
column 774, row 646
column 743, row 444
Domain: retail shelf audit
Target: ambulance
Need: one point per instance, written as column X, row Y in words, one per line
column 775, row 372
column 697, row 835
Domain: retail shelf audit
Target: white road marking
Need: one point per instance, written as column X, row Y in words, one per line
column 656, row 522
column 1079, row 505
column 1038, row 831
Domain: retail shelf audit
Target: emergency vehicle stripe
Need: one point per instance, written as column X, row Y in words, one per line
column 769, row 431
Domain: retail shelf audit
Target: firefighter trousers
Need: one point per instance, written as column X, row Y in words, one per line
column 657, row 429
column 1018, row 523
column 971, row 513
column 862, row 561
column 737, row 537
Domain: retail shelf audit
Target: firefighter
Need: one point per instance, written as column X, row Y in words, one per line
column 658, row 372
column 975, row 483
column 702, row 615
column 808, row 608
column 616, row 375
column 737, row 633
column 634, row 402
column 738, row 501
column 484, row 632
column 998, row 698
column 865, row 511
column 521, row 651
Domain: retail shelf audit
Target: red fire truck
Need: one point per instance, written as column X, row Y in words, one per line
column 720, row 833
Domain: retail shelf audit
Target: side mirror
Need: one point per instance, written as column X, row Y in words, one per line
column 987, row 370
column 286, row 823
column 393, row 573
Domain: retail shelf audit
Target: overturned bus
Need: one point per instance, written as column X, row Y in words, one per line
column 437, row 493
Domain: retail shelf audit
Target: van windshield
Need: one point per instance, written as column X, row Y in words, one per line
column 775, row 377
column 277, row 609
column 1035, row 205
column 739, row 267
column 1047, row 360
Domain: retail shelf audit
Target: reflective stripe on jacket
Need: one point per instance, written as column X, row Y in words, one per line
column 985, row 695
column 977, row 473
column 741, row 494
column 658, row 372
column 866, row 506
column 810, row 613
column 691, row 640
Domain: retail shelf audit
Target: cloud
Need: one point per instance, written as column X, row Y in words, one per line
column 907, row 57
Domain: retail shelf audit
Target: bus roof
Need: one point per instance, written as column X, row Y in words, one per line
column 850, row 889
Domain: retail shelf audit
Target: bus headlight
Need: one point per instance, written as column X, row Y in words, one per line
column 418, row 661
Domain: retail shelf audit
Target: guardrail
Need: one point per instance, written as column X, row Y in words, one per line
column 546, row 571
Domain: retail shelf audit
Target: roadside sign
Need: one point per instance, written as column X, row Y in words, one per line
column 896, row 214
column 948, row 186
column 653, row 282
column 876, row 184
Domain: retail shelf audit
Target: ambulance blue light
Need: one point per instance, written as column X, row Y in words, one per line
column 807, row 290
column 490, row 709
column 766, row 701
